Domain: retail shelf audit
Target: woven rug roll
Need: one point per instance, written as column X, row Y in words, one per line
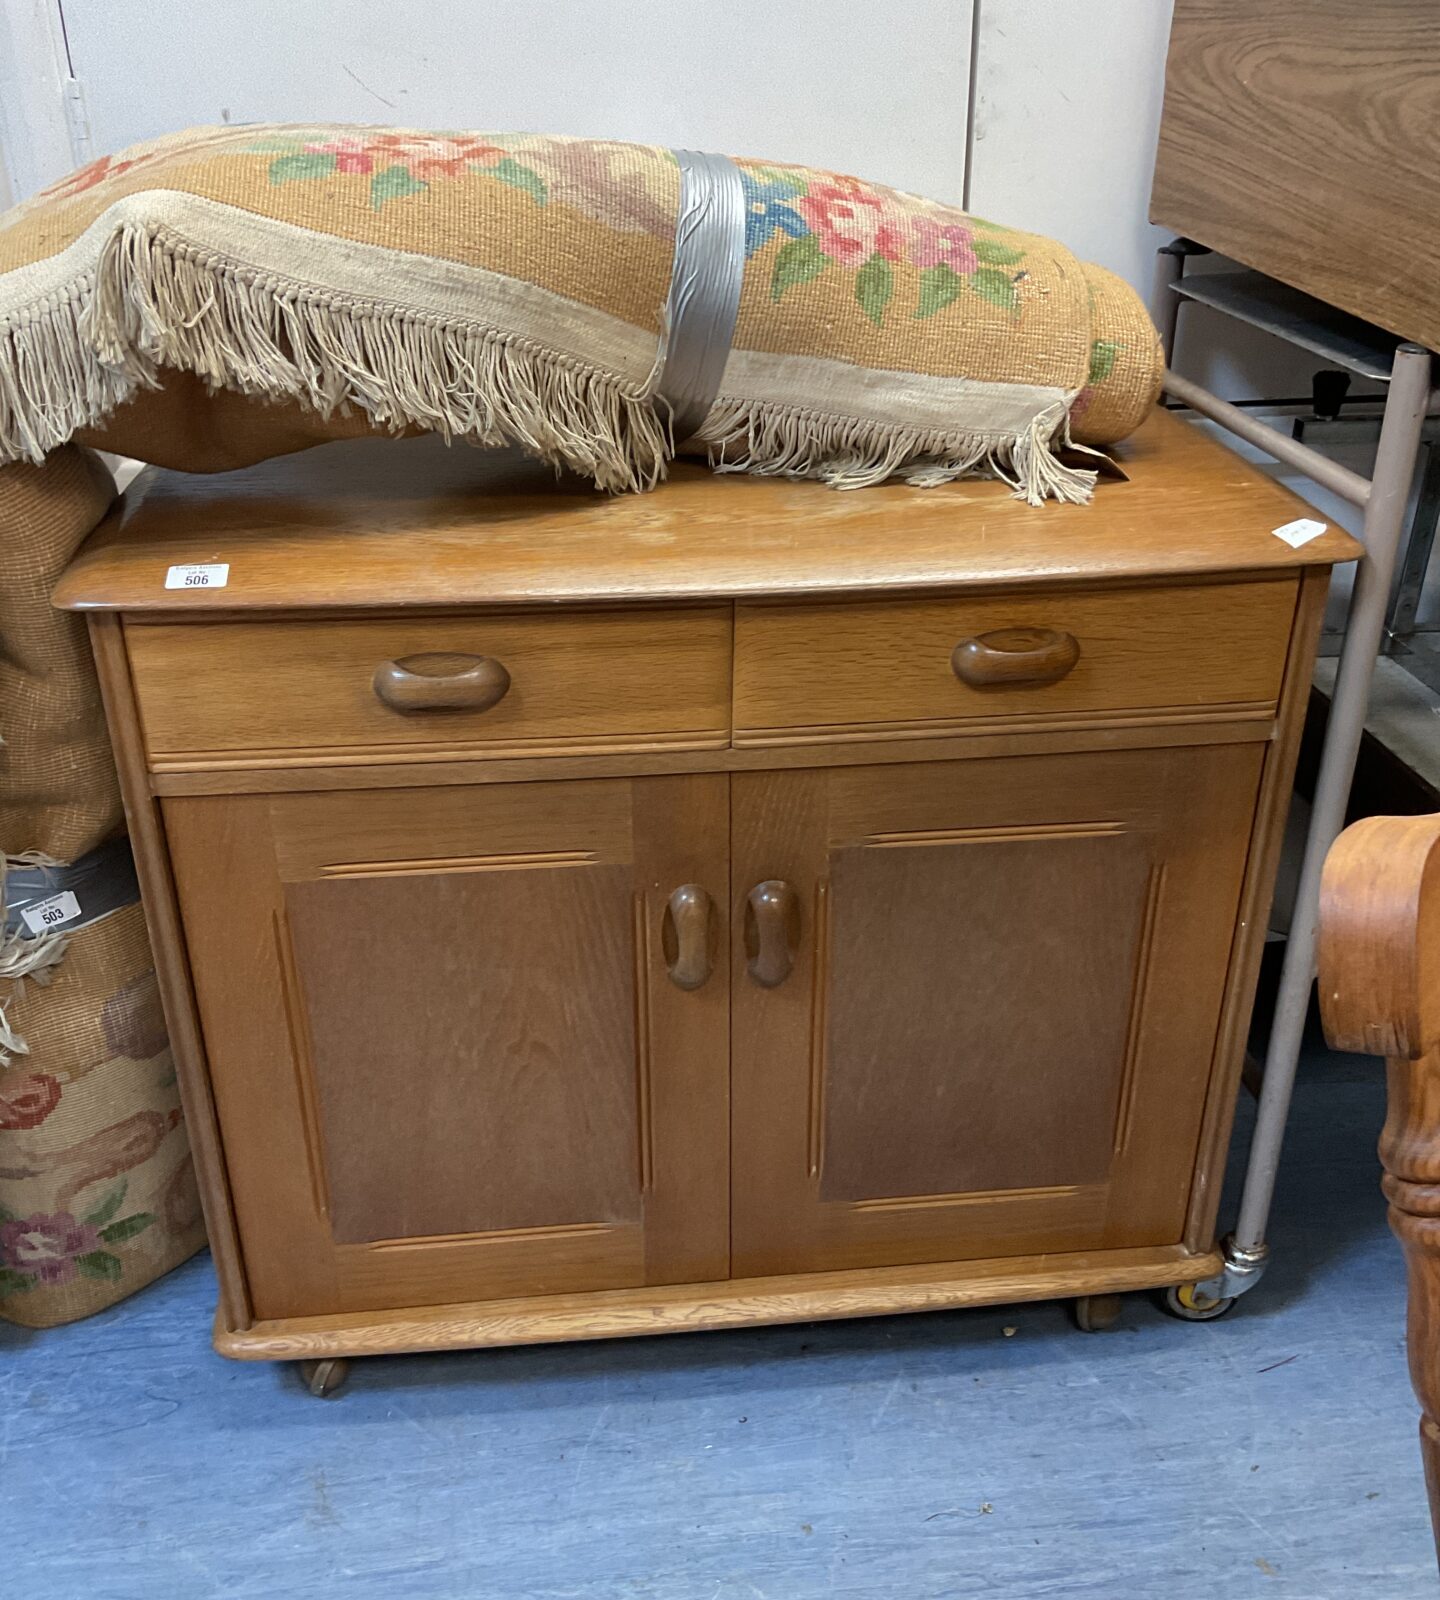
column 517, row 289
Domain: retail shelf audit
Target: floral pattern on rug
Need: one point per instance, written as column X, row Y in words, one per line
column 830, row 221
column 1103, row 355
column 27, row 1098
column 399, row 164
column 55, row 1247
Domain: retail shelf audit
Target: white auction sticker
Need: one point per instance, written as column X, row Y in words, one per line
column 1299, row 532
column 199, row 575
column 52, row 913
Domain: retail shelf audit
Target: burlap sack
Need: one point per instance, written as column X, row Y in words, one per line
column 513, row 289
column 58, row 793
column 97, row 1193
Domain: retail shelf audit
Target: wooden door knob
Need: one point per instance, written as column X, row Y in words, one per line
column 1015, row 655
column 686, row 936
column 772, row 931
column 441, row 682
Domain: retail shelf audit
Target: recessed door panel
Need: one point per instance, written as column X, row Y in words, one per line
column 945, row 1072
column 473, row 1046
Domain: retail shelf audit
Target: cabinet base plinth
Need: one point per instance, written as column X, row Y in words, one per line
column 693, row 1307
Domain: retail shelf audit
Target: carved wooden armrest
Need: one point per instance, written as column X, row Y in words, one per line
column 1379, row 960
column 1379, row 950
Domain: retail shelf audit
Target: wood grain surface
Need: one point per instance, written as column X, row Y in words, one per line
column 301, row 689
column 1252, row 921
column 511, row 1086
column 1379, row 961
column 958, row 1016
column 386, row 524
column 1301, row 137
column 737, row 1303
column 431, row 1087
column 830, row 668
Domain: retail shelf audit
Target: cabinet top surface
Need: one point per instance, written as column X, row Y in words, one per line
column 379, row 523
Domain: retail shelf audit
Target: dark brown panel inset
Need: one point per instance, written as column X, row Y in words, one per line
column 979, row 998
column 473, row 1039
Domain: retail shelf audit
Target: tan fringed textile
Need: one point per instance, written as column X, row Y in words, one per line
column 512, row 289
column 97, row 1195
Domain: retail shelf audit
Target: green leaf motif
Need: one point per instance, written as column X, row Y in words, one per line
column 939, row 286
column 127, row 1227
column 309, row 164
column 799, row 261
column 995, row 254
column 786, row 180
column 525, row 178
column 394, row 183
column 874, row 284
column 107, row 1207
column 12, row 1282
column 994, row 285
column 1102, row 359
column 100, row 1264
column 7, row 1216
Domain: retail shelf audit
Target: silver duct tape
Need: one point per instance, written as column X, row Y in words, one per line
column 97, row 884
column 704, row 288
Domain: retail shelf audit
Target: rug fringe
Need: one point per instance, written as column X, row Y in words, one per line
column 25, row 956
column 853, row 452
column 156, row 302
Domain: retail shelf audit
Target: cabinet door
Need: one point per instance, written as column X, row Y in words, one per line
column 449, row 1058
column 975, row 1002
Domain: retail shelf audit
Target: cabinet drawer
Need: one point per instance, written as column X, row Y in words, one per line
column 402, row 688
column 893, row 667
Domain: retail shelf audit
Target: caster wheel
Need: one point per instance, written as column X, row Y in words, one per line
column 1187, row 1303
column 324, row 1379
column 1094, row 1313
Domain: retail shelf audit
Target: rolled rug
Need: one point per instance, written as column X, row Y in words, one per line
column 600, row 304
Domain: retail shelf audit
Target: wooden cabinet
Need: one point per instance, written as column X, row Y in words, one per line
column 737, row 904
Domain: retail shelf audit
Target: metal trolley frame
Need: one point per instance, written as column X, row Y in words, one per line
column 1382, row 498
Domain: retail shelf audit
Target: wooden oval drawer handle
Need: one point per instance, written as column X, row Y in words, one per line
column 772, row 930
column 441, row 682
column 1015, row 655
column 687, row 935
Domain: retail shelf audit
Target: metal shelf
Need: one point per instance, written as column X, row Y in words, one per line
column 1334, row 336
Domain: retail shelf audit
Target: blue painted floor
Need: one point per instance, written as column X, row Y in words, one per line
column 1271, row 1454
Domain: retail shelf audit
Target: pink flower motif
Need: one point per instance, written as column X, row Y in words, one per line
column 26, row 1099
column 851, row 223
column 45, row 1246
column 88, row 176
column 351, row 154
column 941, row 244
column 422, row 155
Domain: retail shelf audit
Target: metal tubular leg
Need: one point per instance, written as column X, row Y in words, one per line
column 1384, row 514
column 1164, row 302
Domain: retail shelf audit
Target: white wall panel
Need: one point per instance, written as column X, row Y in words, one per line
column 879, row 90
